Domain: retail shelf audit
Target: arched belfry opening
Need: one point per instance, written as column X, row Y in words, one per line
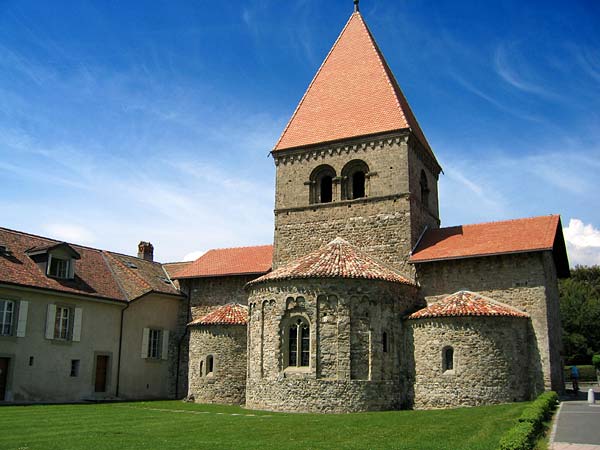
column 321, row 184
column 354, row 178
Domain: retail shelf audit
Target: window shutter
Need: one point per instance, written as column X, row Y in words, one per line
column 50, row 319
column 22, row 321
column 77, row 325
column 145, row 337
column 71, row 274
column 165, row 345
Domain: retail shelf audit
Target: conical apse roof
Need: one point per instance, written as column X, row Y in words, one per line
column 338, row 259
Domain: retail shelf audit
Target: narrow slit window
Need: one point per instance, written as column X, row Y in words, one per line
column 448, row 359
column 209, row 364
column 384, row 342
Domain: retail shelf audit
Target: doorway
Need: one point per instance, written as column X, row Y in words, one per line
column 3, row 377
column 101, row 373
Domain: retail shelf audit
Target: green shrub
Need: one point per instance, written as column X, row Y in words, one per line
column 520, row 437
column 586, row 373
column 531, row 423
column 596, row 361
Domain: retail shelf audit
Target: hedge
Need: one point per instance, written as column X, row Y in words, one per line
column 586, row 373
column 524, row 434
column 596, row 361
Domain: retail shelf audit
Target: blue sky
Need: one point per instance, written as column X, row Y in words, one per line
column 129, row 121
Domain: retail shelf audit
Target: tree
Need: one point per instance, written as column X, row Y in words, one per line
column 580, row 314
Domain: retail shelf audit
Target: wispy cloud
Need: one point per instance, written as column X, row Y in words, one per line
column 505, row 58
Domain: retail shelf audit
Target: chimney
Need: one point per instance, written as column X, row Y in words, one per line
column 146, row 251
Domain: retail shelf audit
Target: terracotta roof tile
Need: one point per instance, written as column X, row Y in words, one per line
column 338, row 259
column 354, row 93
column 466, row 303
column 230, row 261
column 511, row 236
column 98, row 274
column 174, row 267
column 230, row 314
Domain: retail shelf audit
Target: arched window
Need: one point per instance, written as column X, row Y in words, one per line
column 448, row 359
column 326, row 189
column 209, row 364
column 354, row 176
column 384, row 342
column 424, row 189
column 299, row 343
column 321, row 184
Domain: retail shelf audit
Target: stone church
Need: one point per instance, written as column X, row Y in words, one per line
column 364, row 302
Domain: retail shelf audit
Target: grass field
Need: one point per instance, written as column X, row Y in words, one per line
column 175, row 425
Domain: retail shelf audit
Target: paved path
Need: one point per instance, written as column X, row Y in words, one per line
column 577, row 425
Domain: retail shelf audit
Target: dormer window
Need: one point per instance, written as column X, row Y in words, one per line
column 55, row 260
column 59, row 268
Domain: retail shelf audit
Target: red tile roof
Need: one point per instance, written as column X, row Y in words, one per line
column 230, row 314
column 338, row 259
column 98, row 273
column 230, row 261
column 354, row 93
column 511, row 236
column 466, row 303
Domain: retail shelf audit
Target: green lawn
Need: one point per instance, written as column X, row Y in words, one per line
column 176, row 425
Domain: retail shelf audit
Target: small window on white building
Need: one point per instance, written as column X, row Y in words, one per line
column 7, row 314
column 154, row 341
column 75, row 367
column 62, row 323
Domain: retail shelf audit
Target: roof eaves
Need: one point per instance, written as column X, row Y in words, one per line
column 231, row 274
column 68, row 293
column 478, row 255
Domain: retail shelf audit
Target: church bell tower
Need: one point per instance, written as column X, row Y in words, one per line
column 353, row 161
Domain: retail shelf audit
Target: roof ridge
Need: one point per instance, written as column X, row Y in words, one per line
column 226, row 248
column 315, row 77
column 86, row 247
column 496, row 221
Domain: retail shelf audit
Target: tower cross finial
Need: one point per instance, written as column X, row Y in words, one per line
column 356, row 7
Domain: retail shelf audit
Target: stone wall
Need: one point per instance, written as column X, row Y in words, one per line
column 206, row 294
column 348, row 370
column 386, row 223
column 526, row 281
column 226, row 344
column 491, row 361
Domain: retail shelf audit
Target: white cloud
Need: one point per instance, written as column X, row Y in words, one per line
column 70, row 233
column 583, row 243
column 193, row 256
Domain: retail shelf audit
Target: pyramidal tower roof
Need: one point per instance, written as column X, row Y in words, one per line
column 354, row 93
